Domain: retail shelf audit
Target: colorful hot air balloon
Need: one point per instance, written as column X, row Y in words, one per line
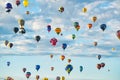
column 58, row 30
column 89, row 26
column 9, row 78
column 28, row 74
column 81, row 68
column 48, row 28
column 53, row 41
column 25, row 3
column 118, row 34
column 52, row 68
column 8, row 63
column 37, row 38
column 94, row 18
column 6, row 42
column 76, row 25
column 45, row 78
column 73, row 36
column 99, row 57
column 58, row 78
column 24, row 70
column 62, row 78
column 95, row 43
column 51, row 55
column 22, row 23
column 99, row 66
column 69, row 60
column 64, row 46
column 69, row 68
column 15, row 29
column 10, row 45
column 8, row 7
column 37, row 67
column 62, row 57
column 37, row 77
column 102, row 64
column 84, row 10
column 103, row 26
column 61, row 9
column 17, row 2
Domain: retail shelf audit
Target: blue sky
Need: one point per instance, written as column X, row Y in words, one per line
column 81, row 49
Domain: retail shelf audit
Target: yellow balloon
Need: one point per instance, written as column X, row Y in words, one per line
column 84, row 10
column 25, row 3
column 63, row 78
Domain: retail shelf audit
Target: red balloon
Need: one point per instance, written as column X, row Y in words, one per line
column 98, row 66
column 118, row 34
column 53, row 41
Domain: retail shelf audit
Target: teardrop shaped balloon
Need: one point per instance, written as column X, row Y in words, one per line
column 37, row 38
column 118, row 34
column 89, row 25
column 52, row 68
column 48, row 28
column 84, row 10
column 95, row 43
column 99, row 66
column 99, row 57
column 64, row 46
column 58, row 30
column 81, row 68
column 69, row 68
column 73, row 36
column 94, row 18
column 8, row 63
column 58, row 78
column 16, row 29
column 37, row 67
column 28, row 74
column 69, row 60
column 103, row 26
column 17, row 2
column 10, row 45
column 6, row 42
column 53, row 41
column 24, row 70
column 102, row 64
column 25, row 3
column 21, row 22
column 62, row 78
column 62, row 57
column 37, row 77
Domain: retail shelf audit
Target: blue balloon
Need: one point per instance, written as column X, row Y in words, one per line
column 64, row 46
column 9, row 6
column 8, row 63
column 69, row 68
column 81, row 68
column 103, row 26
column 37, row 67
column 49, row 28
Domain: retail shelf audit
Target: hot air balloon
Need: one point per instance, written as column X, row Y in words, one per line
column 52, row 68
column 99, row 66
column 37, row 38
column 15, row 29
column 99, row 57
column 64, row 46
column 9, row 78
column 69, row 68
column 81, row 68
column 25, row 3
column 94, row 18
column 8, row 7
column 102, row 64
column 37, row 67
column 17, row 2
column 24, row 70
column 69, row 60
column 45, row 78
column 37, row 77
column 6, row 42
column 95, row 43
column 8, row 63
column 28, row 74
column 51, row 55
column 103, row 26
column 62, row 78
column 118, row 34
column 58, row 78
column 48, row 28
column 21, row 23
column 76, row 25
column 62, row 57
column 10, row 45
column 58, row 30
column 89, row 26
column 113, row 49
column 27, row 12
column 84, row 10
column 73, row 36
column 53, row 41
column 61, row 9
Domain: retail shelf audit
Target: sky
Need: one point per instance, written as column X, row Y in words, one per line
column 27, row 52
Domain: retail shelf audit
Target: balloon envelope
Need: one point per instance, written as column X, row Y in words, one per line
column 81, row 68
column 24, row 70
column 37, row 38
column 8, row 63
column 118, row 34
column 103, row 26
column 16, row 29
column 37, row 67
column 28, row 74
column 69, row 68
column 64, row 46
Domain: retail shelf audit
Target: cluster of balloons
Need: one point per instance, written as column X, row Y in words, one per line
column 101, row 65
column 9, row 44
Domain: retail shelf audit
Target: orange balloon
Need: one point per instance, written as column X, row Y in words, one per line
column 89, row 26
column 77, row 27
column 62, row 57
column 69, row 60
column 58, row 30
